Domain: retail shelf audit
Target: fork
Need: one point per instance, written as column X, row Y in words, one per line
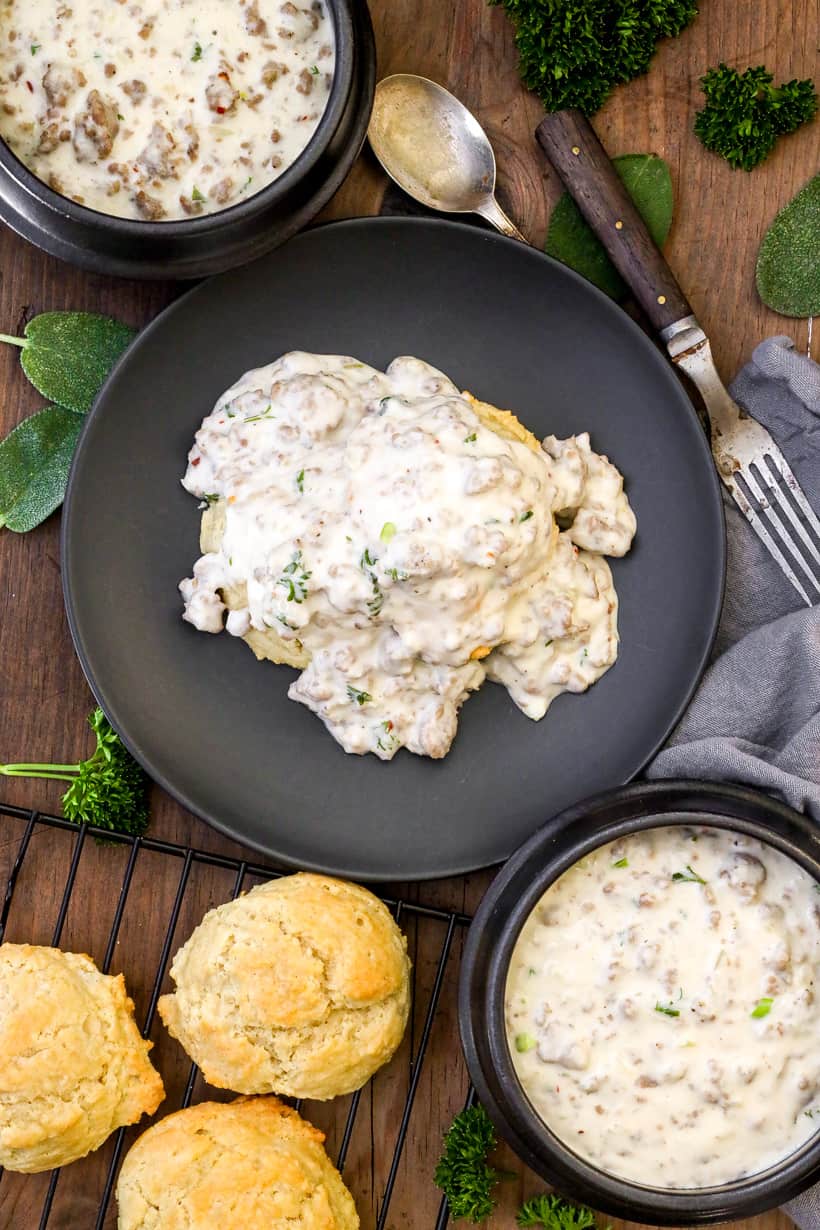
column 749, row 462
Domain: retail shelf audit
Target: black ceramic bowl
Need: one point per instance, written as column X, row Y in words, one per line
column 523, row 880
column 197, row 247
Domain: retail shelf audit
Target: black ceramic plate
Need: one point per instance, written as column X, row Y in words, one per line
column 214, row 726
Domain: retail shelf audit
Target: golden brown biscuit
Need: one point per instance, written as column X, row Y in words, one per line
column 300, row 987
column 252, row 1164
column 73, row 1066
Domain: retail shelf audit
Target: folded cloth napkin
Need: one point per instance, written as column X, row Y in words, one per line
column 756, row 717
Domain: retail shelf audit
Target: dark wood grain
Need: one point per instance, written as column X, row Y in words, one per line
column 569, row 141
column 720, row 218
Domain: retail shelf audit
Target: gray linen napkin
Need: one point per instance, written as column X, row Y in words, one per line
column 756, row 717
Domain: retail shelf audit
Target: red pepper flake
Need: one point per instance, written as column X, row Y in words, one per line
column 30, row 86
column 196, row 461
column 220, row 110
column 388, row 725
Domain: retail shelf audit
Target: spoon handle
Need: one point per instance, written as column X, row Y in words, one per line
column 494, row 214
column 572, row 147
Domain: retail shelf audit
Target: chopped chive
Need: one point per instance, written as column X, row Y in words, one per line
column 197, row 52
column 692, row 878
column 667, row 1009
column 196, row 195
column 526, row 516
column 762, row 1008
column 300, row 481
column 361, row 698
column 622, row 862
column 35, row 47
column 314, row 68
column 471, row 439
column 524, row 1043
column 388, row 531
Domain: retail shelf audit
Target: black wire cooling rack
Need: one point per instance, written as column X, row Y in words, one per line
column 47, row 860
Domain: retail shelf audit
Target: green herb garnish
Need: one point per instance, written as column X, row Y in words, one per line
column 67, row 355
column 666, row 1009
column 690, row 876
column 745, row 113
column 573, row 52
column 762, row 1008
column 314, row 68
column 264, row 414
column 463, row 1173
column 526, row 516
column 471, row 439
column 388, row 531
column 108, row 791
column 300, row 481
column 196, row 195
column 524, row 1043
column 35, row 459
column 367, row 564
column 788, row 271
column 361, row 698
column 294, row 578
column 553, row 1212
column 648, row 181
column 210, row 497
column 622, row 862
column 35, row 47
column 197, row 53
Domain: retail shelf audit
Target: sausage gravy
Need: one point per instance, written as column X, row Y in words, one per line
column 662, row 1007
column 380, row 524
column 162, row 109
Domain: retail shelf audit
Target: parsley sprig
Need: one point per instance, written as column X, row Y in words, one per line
column 745, row 113
column 108, row 790
column 463, row 1172
column 573, row 52
column 690, row 876
column 553, row 1212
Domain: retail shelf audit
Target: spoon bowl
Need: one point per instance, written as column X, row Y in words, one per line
column 435, row 149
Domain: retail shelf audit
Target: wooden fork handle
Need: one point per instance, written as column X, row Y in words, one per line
column 570, row 143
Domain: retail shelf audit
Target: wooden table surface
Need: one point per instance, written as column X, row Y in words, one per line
column 721, row 216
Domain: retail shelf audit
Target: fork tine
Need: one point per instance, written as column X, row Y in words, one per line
column 767, row 540
column 781, row 530
column 786, row 508
column 776, row 458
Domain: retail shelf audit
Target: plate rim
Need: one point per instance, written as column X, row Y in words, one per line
column 388, row 876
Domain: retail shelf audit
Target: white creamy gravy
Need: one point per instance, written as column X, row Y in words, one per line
column 411, row 550
column 666, row 1029
column 162, row 109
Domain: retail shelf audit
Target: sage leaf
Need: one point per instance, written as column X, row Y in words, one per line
column 647, row 179
column 34, row 462
column 788, row 264
column 67, row 355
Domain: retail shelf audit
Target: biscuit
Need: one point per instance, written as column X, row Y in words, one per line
column 73, row 1066
column 300, row 987
column 252, row 1164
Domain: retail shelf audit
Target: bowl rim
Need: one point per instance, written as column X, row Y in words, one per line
column 271, row 194
column 562, row 841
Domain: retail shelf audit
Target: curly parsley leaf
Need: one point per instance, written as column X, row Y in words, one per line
column 35, row 459
column 745, row 113
column 109, row 790
column 67, row 355
column 573, row 52
column 553, row 1212
column 463, row 1173
column 648, row 181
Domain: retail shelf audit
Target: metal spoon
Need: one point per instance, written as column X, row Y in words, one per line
column 435, row 149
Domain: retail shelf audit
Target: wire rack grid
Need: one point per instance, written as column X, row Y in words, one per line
column 46, row 859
